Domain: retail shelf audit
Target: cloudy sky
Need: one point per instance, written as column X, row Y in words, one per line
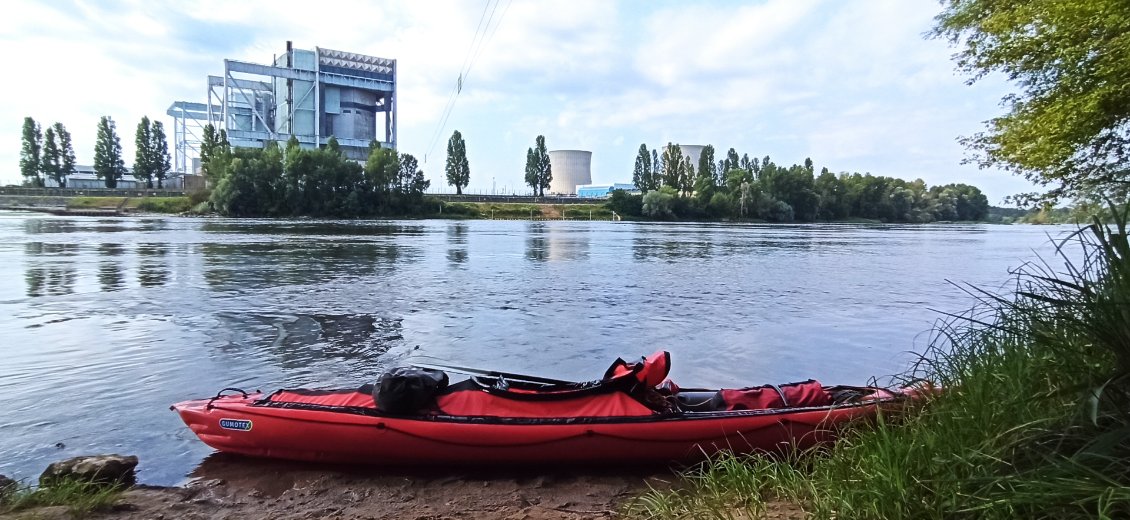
column 850, row 83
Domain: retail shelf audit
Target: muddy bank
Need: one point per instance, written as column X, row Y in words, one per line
column 240, row 488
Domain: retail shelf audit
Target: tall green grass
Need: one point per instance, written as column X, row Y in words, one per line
column 1033, row 422
column 80, row 498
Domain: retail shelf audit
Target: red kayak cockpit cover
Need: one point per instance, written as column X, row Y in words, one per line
column 649, row 371
column 610, row 396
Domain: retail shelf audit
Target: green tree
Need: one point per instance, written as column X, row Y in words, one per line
column 412, row 178
column 108, row 163
column 1068, row 127
column 672, row 166
column 544, row 168
column 660, row 203
column 159, row 147
column 686, row 176
column 209, row 145
column 706, row 166
column 30, row 153
column 51, row 163
column 642, row 173
column 67, row 150
column 656, row 169
column 458, row 170
column 732, row 162
column 531, row 177
column 143, row 158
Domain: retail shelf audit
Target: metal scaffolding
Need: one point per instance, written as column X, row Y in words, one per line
column 189, row 120
column 308, row 95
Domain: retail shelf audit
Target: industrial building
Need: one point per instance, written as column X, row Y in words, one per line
column 310, row 95
column 570, row 168
column 84, row 179
column 601, row 191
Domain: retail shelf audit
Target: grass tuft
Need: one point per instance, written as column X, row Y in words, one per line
column 80, row 498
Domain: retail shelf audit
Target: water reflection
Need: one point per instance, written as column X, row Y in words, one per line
column 36, row 226
column 152, row 270
column 457, row 237
column 110, row 275
column 647, row 248
column 537, row 246
column 47, row 274
column 258, row 265
column 300, row 342
column 339, row 228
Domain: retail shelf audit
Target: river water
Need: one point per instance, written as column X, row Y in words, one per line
column 105, row 322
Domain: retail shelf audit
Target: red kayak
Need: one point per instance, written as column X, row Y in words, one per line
column 632, row 414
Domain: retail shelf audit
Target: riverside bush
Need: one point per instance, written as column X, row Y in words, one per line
column 1033, row 421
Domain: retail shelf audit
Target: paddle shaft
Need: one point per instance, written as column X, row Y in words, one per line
column 494, row 373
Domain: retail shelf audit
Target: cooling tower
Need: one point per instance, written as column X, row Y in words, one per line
column 694, row 151
column 570, row 168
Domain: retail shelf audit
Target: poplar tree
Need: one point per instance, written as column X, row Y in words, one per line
column 159, row 147
column 543, row 168
column 706, row 166
column 51, row 163
column 67, row 150
column 641, row 175
column 30, row 153
column 673, row 166
column 531, row 177
column 108, row 163
column 458, row 170
column 143, row 159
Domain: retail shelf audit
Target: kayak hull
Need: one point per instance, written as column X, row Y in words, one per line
column 242, row 425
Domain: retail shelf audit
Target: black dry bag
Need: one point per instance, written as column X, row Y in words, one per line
column 407, row 390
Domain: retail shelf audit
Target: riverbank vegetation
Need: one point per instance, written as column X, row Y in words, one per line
column 79, row 498
column 295, row 181
column 173, row 205
column 744, row 188
column 1031, row 421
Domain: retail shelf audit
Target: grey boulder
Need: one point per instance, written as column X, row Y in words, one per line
column 96, row 469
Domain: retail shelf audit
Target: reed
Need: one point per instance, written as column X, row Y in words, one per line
column 1033, row 421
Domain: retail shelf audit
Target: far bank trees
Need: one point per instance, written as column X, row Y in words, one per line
column 760, row 189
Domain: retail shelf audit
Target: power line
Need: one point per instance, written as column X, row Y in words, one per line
column 478, row 44
column 450, row 104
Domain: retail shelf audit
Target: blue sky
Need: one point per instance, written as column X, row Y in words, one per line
column 851, row 84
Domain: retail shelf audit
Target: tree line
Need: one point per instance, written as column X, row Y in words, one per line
column 290, row 181
column 744, row 188
column 50, row 155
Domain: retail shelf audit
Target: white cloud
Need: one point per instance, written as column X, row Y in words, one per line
column 851, row 84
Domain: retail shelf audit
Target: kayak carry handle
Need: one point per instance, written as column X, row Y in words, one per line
column 221, row 394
